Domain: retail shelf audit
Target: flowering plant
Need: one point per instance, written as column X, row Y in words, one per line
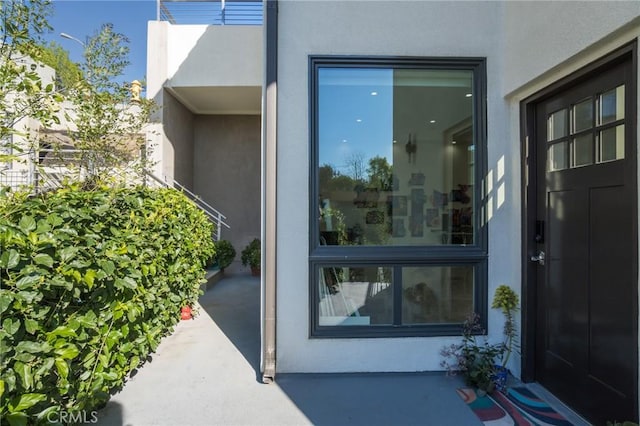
column 474, row 357
column 507, row 301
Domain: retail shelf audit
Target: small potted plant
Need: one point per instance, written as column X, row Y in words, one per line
column 251, row 256
column 225, row 253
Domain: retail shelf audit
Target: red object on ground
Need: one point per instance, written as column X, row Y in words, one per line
column 185, row 313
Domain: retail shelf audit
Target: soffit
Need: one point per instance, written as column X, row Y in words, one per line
column 220, row 99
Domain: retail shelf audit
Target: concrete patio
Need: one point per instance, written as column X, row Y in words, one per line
column 207, row 373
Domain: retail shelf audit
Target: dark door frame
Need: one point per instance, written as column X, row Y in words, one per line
column 529, row 191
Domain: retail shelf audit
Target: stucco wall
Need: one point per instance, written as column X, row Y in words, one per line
column 177, row 124
column 375, row 28
column 528, row 45
column 231, row 54
column 544, row 34
column 226, row 173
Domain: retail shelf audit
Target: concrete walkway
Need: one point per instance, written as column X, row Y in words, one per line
column 207, row 373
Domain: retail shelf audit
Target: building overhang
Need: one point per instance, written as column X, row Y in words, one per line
column 237, row 100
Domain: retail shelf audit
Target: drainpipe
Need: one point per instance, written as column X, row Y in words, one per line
column 269, row 193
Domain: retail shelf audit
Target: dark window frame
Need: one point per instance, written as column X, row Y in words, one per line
column 475, row 255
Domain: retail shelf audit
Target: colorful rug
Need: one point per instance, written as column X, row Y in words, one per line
column 518, row 406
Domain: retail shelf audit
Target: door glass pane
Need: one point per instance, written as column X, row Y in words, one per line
column 441, row 294
column 611, row 106
column 355, row 295
column 582, row 116
column 582, row 151
column 557, row 125
column 612, row 144
column 396, row 156
column 557, row 156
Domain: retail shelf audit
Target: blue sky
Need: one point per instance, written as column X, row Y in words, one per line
column 82, row 18
column 355, row 108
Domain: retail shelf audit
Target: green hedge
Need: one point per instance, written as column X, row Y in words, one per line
column 90, row 283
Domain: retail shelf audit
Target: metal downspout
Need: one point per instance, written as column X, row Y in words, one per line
column 269, row 191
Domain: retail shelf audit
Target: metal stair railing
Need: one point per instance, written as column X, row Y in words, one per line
column 214, row 215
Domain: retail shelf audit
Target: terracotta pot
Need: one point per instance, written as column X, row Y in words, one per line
column 185, row 313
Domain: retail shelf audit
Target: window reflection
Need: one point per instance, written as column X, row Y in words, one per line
column 363, row 295
column 396, row 157
column 355, row 296
column 436, row 294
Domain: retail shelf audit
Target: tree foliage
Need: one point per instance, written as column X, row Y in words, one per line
column 380, row 173
column 23, row 94
column 105, row 126
column 106, row 57
column 68, row 73
column 102, row 122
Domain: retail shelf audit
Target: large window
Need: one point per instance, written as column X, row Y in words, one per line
column 398, row 148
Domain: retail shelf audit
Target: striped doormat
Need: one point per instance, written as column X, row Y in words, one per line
column 517, row 406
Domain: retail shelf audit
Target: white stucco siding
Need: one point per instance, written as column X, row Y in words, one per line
column 434, row 29
column 541, row 35
column 210, row 55
column 527, row 46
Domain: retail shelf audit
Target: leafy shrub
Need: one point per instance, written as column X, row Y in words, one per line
column 251, row 255
column 225, row 253
column 91, row 281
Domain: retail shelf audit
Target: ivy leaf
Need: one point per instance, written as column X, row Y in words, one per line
column 27, row 281
column 89, row 277
column 88, row 320
column 62, row 367
column 67, row 253
column 135, row 360
column 24, row 357
column 11, row 326
column 127, row 282
column 31, row 325
column 17, row 419
column 132, row 314
column 9, row 259
column 27, row 400
column 43, row 226
column 109, row 267
column 10, row 380
column 29, row 296
column 55, row 220
column 47, row 365
column 24, row 372
column 68, row 352
column 33, row 347
column 43, row 259
column 62, row 331
column 5, row 300
column 27, row 224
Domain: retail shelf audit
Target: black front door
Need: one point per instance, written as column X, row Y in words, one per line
column 585, row 258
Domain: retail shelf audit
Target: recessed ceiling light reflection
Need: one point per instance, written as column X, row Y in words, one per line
column 468, row 95
column 432, row 121
column 374, row 93
column 344, row 141
column 453, row 142
column 358, row 120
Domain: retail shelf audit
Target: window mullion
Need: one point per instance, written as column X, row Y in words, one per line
column 397, row 296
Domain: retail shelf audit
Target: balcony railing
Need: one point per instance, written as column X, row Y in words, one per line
column 210, row 12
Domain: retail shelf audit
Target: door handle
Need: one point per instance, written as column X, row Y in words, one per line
column 538, row 258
